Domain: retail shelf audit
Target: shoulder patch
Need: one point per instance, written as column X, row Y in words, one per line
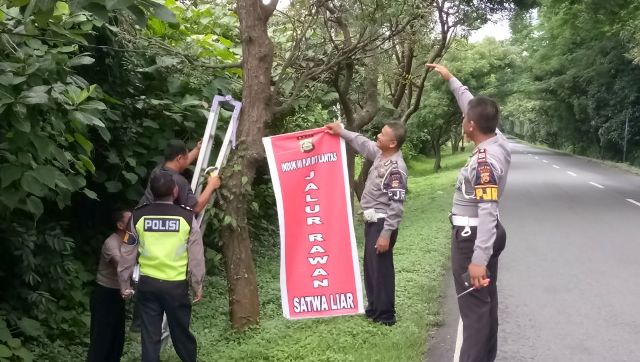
column 395, row 185
column 186, row 207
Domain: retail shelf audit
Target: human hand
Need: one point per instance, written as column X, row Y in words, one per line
column 126, row 294
column 214, row 180
column 382, row 245
column 442, row 70
column 478, row 275
column 198, row 295
column 334, row 128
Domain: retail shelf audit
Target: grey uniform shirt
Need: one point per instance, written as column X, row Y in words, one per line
column 481, row 182
column 185, row 197
column 386, row 184
column 107, row 275
column 195, row 251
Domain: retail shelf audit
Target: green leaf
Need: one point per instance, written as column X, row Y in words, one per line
column 83, row 142
column 14, row 343
column 10, row 173
column 46, row 175
column 5, row 352
column 20, row 121
column 10, row 198
column 87, row 163
column 5, row 335
column 113, row 186
column 32, row 184
column 24, row 354
column 29, row 326
column 132, row 177
column 163, row 13
column 42, row 144
column 117, row 4
column 93, row 105
column 138, row 15
column 90, row 194
column 34, row 205
column 80, row 60
column 157, row 27
column 86, row 118
column 104, row 133
column 190, row 100
column 99, row 11
column 10, row 79
column 61, row 9
column 35, row 95
column 63, row 181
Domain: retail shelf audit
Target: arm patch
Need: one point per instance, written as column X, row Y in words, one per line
column 485, row 182
column 395, row 185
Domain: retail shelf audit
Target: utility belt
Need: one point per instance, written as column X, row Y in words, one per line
column 371, row 215
column 466, row 221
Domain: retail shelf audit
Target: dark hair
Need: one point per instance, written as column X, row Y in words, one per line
column 117, row 217
column 399, row 132
column 162, row 185
column 485, row 113
column 174, row 149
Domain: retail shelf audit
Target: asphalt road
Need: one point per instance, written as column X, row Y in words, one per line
column 569, row 281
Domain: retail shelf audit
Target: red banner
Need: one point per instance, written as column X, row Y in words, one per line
column 319, row 271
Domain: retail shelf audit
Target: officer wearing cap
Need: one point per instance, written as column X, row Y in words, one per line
column 382, row 204
column 171, row 258
column 477, row 235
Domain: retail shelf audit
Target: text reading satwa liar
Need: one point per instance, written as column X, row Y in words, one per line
column 320, row 277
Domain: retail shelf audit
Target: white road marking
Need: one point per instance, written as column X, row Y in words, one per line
column 571, row 173
column 596, row 185
column 634, row 202
column 456, row 354
column 537, row 158
column 545, row 161
column 555, row 166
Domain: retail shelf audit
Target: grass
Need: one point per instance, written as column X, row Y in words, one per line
column 421, row 257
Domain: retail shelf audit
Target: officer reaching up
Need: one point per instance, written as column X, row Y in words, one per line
column 171, row 258
column 477, row 235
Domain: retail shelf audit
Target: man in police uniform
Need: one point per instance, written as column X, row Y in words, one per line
column 176, row 159
column 477, row 235
column 382, row 204
column 171, row 251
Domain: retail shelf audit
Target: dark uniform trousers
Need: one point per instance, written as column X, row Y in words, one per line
column 478, row 309
column 107, row 325
column 379, row 275
column 156, row 297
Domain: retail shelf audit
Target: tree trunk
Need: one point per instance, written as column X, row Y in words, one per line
column 257, row 51
column 435, row 144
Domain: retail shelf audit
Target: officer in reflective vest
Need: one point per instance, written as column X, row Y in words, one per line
column 171, row 258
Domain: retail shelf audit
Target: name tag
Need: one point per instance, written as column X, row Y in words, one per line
column 161, row 224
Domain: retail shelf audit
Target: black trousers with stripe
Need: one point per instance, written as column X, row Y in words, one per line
column 379, row 275
column 478, row 309
column 156, row 297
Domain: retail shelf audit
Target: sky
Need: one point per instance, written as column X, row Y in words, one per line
column 498, row 29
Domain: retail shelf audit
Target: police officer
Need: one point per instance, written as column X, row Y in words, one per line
column 477, row 235
column 171, row 252
column 382, row 204
column 176, row 159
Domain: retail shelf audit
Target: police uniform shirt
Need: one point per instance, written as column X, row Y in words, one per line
column 107, row 275
column 185, row 196
column 169, row 242
column 386, row 185
column 481, row 182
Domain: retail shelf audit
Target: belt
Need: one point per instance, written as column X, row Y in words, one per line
column 458, row 220
column 371, row 215
column 465, row 221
